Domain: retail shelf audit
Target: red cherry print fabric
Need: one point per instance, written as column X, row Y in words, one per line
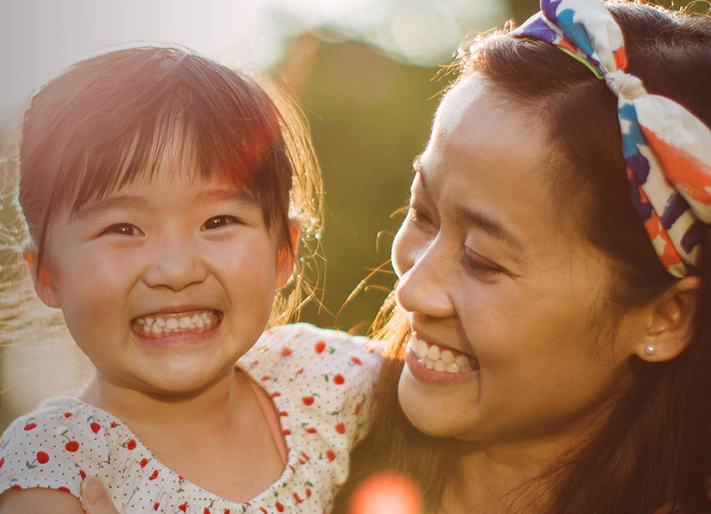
column 320, row 382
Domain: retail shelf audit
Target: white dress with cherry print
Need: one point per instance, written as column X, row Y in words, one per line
column 319, row 380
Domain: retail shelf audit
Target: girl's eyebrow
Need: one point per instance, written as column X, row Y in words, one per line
column 124, row 201
column 107, row 203
column 216, row 195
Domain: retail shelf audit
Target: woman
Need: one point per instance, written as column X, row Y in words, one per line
column 554, row 361
column 591, row 356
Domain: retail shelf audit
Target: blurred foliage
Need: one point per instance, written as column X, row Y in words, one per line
column 369, row 117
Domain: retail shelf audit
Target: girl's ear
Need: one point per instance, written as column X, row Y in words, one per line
column 671, row 322
column 287, row 256
column 41, row 279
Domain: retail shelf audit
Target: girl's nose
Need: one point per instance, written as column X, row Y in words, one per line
column 175, row 264
column 424, row 287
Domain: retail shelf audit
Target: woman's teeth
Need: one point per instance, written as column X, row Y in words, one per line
column 433, row 357
column 155, row 326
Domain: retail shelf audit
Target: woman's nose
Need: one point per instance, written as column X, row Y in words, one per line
column 424, row 287
column 176, row 263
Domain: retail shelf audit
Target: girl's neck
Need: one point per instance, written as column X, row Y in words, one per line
column 218, row 439
column 138, row 409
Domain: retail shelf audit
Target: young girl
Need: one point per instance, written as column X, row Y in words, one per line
column 165, row 195
column 557, row 256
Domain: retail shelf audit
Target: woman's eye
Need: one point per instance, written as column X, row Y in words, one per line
column 218, row 222
column 481, row 266
column 418, row 216
column 124, row 229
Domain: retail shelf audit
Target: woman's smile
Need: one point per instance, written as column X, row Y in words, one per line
column 439, row 363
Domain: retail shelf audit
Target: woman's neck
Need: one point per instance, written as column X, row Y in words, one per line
column 500, row 479
column 518, row 476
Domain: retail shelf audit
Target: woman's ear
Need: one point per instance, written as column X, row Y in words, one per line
column 41, row 278
column 287, row 254
column 671, row 322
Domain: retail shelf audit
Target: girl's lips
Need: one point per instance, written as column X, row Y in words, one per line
column 170, row 325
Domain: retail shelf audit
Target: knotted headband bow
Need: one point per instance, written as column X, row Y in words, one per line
column 666, row 148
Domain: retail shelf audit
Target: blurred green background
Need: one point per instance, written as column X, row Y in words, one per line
column 369, row 110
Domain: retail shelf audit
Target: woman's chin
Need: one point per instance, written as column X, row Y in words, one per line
column 428, row 408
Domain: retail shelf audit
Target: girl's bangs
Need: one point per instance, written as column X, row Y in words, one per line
column 179, row 133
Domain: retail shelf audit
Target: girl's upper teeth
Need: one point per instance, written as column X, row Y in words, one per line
column 434, row 357
column 167, row 323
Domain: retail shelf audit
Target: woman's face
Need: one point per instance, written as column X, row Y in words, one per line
column 506, row 301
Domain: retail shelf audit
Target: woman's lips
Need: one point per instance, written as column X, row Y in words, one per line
column 441, row 358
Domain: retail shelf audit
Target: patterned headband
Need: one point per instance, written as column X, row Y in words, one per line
column 666, row 148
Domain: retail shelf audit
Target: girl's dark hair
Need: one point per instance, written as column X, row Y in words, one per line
column 655, row 452
column 108, row 121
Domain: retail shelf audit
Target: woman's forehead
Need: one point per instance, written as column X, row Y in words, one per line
column 478, row 126
column 454, row 109
column 490, row 156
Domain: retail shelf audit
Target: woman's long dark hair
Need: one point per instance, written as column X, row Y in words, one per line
column 655, row 452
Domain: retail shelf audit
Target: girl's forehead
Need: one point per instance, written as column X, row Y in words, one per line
column 171, row 160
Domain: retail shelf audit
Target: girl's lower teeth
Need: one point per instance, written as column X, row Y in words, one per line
column 160, row 327
column 433, row 357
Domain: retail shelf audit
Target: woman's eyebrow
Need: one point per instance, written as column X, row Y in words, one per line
column 417, row 164
column 478, row 219
column 490, row 226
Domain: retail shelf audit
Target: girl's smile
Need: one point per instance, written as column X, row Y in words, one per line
column 176, row 326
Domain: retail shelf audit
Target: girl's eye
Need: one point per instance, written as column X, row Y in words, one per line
column 218, row 222
column 481, row 266
column 124, row 229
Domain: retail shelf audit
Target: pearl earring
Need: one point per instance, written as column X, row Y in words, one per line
column 649, row 350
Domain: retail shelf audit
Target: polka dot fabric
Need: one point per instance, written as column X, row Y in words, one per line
column 319, row 380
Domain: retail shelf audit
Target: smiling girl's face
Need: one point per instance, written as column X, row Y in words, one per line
column 492, row 278
column 165, row 282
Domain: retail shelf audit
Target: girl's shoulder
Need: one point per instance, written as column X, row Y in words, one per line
column 65, row 439
column 317, row 353
column 321, row 383
column 302, row 334
column 54, row 446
